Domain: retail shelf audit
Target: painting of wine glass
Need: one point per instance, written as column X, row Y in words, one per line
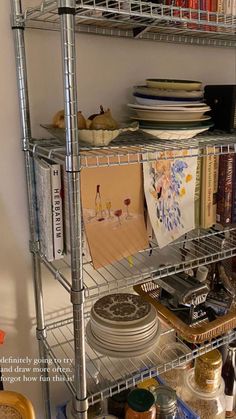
column 113, row 212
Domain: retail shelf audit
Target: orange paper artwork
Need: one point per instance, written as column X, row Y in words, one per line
column 112, row 204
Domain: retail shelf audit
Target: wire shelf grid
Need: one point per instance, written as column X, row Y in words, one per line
column 138, row 147
column 108, row 376
column 197, row 248
column 139, row 19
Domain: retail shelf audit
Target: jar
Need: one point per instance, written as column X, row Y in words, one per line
column 175, row 377
column 166, row 403
column 149, row 384
column 117, row 403
column 206, row 405
column 207, row 371
column 141, row 405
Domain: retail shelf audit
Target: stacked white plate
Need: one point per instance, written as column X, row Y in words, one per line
column 122, row 326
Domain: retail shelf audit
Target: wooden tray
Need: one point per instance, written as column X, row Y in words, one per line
column 195, row 333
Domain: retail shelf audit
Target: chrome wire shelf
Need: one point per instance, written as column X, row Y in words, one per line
column 139, row 19
column 108, row 376
column 138, row 147
column 197, row 248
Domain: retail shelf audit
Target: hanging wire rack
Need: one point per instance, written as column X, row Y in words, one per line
column 140, row 19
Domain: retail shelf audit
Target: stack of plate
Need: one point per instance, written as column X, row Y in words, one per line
column 171, row 109
column 122, row 325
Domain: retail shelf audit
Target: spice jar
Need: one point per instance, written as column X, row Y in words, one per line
column 166, row 403
column 207, row 371
column 206, row 405
column 141, row 405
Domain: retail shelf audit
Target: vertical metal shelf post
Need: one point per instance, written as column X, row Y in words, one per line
column 66, row 10
column 18, row 30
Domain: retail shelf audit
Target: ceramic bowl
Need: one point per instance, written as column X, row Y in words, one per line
column 162, row 115
column 175, row 134
column 173, row 84
column 161, row 100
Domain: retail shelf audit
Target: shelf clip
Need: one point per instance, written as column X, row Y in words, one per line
column 80, row 406
column 73, row 164
column 77, row 297
column 41, row 334
column 66, row 7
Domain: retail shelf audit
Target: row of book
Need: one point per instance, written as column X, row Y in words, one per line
column 215, row 194
column 227, row 7
column 215, row 201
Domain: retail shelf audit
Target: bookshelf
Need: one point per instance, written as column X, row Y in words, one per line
column 138, row 20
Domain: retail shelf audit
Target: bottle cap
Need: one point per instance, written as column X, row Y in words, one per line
column 140, row 400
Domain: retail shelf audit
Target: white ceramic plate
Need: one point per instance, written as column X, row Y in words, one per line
column 166, row 134
column 172, row 120
column 144, row 90
column 120, row 354
column 188, row 108
column 156, row 102
column 162, row 115
column 172, row 84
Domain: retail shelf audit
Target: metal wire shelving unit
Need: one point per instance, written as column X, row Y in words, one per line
column 90, row 376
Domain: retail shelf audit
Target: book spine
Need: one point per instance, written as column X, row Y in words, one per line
column 215, row 185
column 224, row 195
column 234, row 7
column 57, row 212
column 44, row 207
column 213, row 6
column 207, row 191
column 197, row 196
column 228, row 6
column 234, row 193
column 220, row 6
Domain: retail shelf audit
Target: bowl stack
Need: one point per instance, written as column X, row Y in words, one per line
column 171, row 109
column 122, row 325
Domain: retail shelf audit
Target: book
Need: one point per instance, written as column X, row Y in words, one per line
column 44, row 207
column 57, row 211
column 228, row 7
column 224, row 194
column 234, row 193
column 207, row 186
column 197, row 196
column 215, row 186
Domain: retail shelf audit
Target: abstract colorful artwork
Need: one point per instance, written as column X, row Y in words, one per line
column 169, row 186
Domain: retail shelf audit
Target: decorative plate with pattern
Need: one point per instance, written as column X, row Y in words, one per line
column 121, row 308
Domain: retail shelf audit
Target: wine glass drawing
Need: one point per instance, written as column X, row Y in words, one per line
column 127, row 202
column 118, row 214
column 108, row 207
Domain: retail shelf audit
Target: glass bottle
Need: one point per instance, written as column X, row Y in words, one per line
column 229, row 376
column 166, row 403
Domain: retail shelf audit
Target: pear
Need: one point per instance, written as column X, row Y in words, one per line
column 104, row 121
column 91, row 117
column 59, row 120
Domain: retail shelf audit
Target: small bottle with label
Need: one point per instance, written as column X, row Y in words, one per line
column 229, row 376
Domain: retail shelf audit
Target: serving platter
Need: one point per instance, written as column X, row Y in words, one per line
column 172, row 121
column 174, row 107
column 175, row 115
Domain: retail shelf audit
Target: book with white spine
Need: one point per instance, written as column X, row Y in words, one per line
column 44, row 207
column 57, row 211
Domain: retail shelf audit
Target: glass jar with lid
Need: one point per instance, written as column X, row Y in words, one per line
column 166, row 403
column 141, row 405
column 207, row 371
column 206, row 405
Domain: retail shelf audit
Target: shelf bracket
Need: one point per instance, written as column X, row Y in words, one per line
column 66, row 7
column 73, row 164
column 80, row 406
column 77, row 297
column 41, row 334
column 34, row 246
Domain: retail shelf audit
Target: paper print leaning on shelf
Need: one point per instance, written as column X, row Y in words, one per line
column 169, row 187
column 113, row 212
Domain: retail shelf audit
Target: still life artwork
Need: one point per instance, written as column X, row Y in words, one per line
column 113, row 212
column 169, row 186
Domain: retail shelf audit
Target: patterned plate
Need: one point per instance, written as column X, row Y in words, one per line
column 121, row 308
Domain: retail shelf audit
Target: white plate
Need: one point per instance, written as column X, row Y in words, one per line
column 143, row 325
column 118, row 337
column 152, row 91
column 172, row 120
column 185, row 108
column 175, row 134
column 119, row 354
column 156, row 102
column 188, row 115
column 172, row 84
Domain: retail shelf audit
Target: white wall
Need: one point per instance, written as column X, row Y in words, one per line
column 107, row 69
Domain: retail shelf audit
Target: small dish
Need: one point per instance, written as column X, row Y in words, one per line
column 173, row 84
column 176, row 134
column 93, row 137
column 169, row 93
